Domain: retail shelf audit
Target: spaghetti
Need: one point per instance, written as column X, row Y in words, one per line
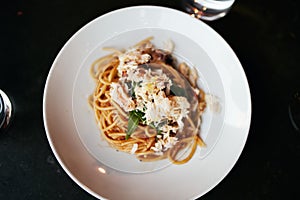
column 146, row 105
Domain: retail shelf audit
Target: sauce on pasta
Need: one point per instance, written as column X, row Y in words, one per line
column 146, row 104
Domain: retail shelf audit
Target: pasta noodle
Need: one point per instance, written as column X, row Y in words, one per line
column 146, row 139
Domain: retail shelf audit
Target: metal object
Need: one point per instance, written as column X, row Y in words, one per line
column 5, row 111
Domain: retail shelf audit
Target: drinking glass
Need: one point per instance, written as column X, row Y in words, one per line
column 5, row 111
column 207, row 9
column 294, row 110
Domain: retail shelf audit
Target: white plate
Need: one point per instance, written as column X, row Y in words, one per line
column 74, row 136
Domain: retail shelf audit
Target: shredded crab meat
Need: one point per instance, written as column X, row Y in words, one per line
column 119, row 95
column 150, row 88
column 131, row 59
column 213, row 103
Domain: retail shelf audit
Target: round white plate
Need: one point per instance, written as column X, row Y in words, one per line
column 72, row 131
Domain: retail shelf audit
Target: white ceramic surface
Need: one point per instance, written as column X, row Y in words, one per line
column 74, row 136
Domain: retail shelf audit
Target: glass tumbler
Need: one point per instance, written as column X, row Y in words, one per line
column 5, row 111
column 207, row 9
column 294, row 110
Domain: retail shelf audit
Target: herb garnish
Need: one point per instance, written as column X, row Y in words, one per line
column 135, row 117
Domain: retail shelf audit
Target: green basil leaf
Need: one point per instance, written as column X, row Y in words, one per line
column 135, row 117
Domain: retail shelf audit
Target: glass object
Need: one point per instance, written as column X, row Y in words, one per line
column 5, row 111
column 294, row 110
column 207, row 9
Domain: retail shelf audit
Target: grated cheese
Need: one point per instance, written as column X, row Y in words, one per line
column 150, row 97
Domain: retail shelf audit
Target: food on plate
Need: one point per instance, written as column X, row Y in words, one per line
column 147, row 104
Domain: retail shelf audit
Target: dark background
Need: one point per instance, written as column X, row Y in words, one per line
column 263, row 34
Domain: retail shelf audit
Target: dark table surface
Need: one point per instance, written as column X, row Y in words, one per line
column 263, row 34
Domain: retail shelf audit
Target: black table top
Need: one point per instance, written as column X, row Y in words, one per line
column 263, row 34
